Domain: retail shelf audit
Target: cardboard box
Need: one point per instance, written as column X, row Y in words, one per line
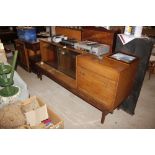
column 56, row 120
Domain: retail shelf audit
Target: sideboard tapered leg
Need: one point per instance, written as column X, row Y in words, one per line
column 103, row 117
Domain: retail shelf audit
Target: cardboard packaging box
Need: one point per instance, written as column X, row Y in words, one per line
column 38, row 114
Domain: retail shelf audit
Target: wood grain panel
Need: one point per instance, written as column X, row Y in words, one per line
column 52, row 72
column 108, row 81
column 125, row 83
column 70, row 33
column 48, row 52
column 104, row 67
column 96, row 86
column 99, row 35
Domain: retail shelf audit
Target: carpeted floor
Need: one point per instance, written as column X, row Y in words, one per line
column 78, row 114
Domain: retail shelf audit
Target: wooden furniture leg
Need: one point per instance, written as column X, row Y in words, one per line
column 39, row 74
column 151, row 65
column 104, row 113
column 151, row 69
column 118, row 108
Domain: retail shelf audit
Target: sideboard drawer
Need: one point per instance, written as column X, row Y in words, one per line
column 96, row 86
column 97, row 66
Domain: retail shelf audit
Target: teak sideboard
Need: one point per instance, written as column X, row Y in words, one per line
column 102, row 83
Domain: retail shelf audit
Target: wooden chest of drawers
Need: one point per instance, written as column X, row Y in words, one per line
column 107, row 81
